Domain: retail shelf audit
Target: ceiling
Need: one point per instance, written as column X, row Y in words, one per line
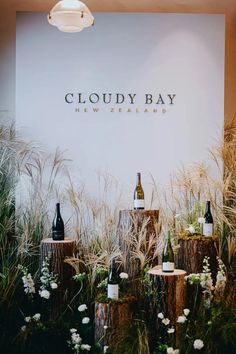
column 202, row 6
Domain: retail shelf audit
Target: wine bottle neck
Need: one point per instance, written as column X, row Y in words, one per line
column 138, row 178
column 58, row 208
column 208, row 206
column 168, row 236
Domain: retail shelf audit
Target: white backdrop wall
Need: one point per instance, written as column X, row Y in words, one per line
column 168, row 72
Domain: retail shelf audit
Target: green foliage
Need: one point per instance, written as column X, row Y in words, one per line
column 132, row 339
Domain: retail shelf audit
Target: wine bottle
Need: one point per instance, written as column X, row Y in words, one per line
column 208, row 224
column 58, row 232
column 113, row 282
column 168, row 263
column 138, row 194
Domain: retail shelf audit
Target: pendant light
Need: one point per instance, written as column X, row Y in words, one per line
column 70, row 16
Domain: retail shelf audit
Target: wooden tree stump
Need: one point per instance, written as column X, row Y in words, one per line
column 138, row 231
column 193, row 250
column 169, row 298
column 171, row 287
column 58, row 251
column 114, row 316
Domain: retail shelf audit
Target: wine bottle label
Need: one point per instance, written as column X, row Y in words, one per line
column 207, row 229
column 113, row 291
column 138, row 203
column 168, row 266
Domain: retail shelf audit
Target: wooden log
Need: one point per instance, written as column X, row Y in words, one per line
column 114, row 316
column 138, row 231
column 58, row 251
column 193, row 250
column 169, row 292
column 172, row 288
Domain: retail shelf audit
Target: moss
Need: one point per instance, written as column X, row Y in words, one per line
column 102, row 298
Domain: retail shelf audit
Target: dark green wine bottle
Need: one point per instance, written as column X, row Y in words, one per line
column 168, row 262
column 208, row 224
column 138, row 194
column 58, row 232
column 113, row 282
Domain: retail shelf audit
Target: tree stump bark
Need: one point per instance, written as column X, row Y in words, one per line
column 171, row 287
column 169, row 292
column 114, row 316
column 192, row 252
column 138, row 235
column 58, row 251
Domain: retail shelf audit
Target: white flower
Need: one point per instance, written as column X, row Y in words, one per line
column 165, row 321
column 105, row 327
column 45, row 294
column 170, row 350
column 198, row 344
column 123, row 275
column 191, row 229
column 82, row 308
column 23, row 328
column 85, row 320
column 105, row 349
column 73, row 330
column 54, row 285
column 201, row 220
column 37, row 316
column 28, row 284
column 160, row 315
column 171, row 330
column 27, row 319
column 181, row 319
column 176, row 351
column 186, row 312
column 85, row 347
column 76, row 339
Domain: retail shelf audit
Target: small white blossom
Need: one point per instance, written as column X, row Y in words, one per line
column 76, row 339
column 181, row 319
column 82, row 308
column 27, row 319
column 105, row 327
column 160, row 315
column 186, row 312
column 85, row 320
column 198, row 344
column 171, row 330
column 191, row 229
column 45, row 294
column 105, row 348
column 54, row 285
column 123, row 275
column 170, row 350
column 28, row 283
column 201, row 220
column 85, row 347
column 37, row 316
column 176, row 351
column 166, row 321
column 73, row 330
column 23, row 328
